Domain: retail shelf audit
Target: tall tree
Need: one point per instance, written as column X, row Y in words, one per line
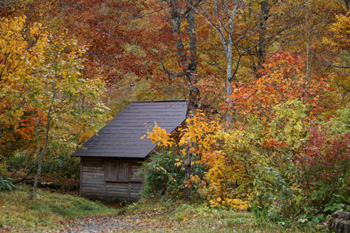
column 337, row 43
column 246, row 29
column 183, row 12
column 222, row 17
column 41, row 89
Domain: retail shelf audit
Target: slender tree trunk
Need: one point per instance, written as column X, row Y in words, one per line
column 261, row 52
column 38, row 157
column 307, row 42
column 40, row 154
column 188, row 175
column 229, row 80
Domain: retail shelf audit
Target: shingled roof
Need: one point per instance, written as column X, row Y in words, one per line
column 120, row 138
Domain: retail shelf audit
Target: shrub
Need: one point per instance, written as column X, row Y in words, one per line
column 62, row 167
column 226, row 183
column 63, row 170
column 301, row 172
column 6, row 183
column 164, row 177
column 275, row 149
column 326, row 165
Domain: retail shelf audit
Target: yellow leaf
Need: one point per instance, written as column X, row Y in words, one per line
column 178, row 164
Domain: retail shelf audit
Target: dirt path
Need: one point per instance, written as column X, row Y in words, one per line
column 104, row 224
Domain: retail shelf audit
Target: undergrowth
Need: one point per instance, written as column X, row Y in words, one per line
column 181, row 216
column 17, row 213
column 51, row 211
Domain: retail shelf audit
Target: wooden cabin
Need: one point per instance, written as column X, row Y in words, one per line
column 110, row 160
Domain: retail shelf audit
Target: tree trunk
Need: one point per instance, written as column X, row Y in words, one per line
column 194, row 91
column 188, row 175
column 40, row 154
column 261, row 52
column 229, row 81
column 192, row 66
column 189, row 69
column 37, row 176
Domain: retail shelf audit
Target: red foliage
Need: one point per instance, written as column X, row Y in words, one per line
column 118, row 40
column 327, row 157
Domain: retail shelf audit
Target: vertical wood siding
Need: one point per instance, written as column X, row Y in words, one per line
column 110, row 179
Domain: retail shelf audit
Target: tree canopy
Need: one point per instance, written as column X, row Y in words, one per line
column 267, row 84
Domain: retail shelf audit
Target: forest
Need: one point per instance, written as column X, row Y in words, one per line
column 267, row 84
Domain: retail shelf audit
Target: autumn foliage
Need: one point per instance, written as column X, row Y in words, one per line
column 326, row 162
column 278, row 146
column 282, row 79
column 43, row 95
column 223, row 174
column 274, row 155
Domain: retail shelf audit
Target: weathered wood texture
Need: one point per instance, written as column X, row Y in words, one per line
column 111, row 178
column 339, row 222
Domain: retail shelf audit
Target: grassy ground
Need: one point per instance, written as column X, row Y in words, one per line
column 50, row 211
column 182, row 217
column 17, row 213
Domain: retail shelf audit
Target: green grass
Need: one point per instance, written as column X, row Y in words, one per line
column 49, row 211
column 18, row 213
column 184, row 217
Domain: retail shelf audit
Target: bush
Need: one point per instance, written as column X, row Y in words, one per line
column 21, row 160
column 326, row 165
column 63, row 170
column 277, row 192
column 6, row 184
column 302, row 172
column 62, row 167
column 163, row 177
column 273, row 162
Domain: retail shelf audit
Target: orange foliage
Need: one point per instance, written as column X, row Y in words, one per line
column 282, row 80
column 26, row 125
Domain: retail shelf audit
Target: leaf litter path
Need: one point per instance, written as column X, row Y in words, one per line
column 104, row 224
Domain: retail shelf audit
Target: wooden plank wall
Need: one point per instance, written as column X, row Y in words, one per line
column 92, row 177
column 110, row 179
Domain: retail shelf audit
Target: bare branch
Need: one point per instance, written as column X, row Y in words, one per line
column 171, row 75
